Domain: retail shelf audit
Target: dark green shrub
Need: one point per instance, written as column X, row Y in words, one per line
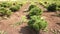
column 52, row 7
column 14, row 8
column 59, row 6
column 35, row 11
column 37, row 23
column 45, row 2
column 31, row 6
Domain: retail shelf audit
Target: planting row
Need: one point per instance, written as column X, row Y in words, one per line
column 35, row 21
column 51, row 5
column 6, row 8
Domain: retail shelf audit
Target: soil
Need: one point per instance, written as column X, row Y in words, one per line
column 53, row 22
column 50, row 17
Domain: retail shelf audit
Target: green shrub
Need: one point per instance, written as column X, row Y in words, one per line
column 16, row 3
column 31, row 6
column 8, row 12
column 20, row 4
column 58, row 7
column 45, row 2
column 35, row 11
column 6, row 8
column 14, row 8
column 37, row 23
column 5, row 4
column 52, row 7
column 4, row 11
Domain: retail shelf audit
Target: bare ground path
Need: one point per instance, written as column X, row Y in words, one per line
column 15, row 17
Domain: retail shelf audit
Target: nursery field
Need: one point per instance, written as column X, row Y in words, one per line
column 30, row 17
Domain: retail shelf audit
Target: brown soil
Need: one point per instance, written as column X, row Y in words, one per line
column 50, row 17
column 53, row 22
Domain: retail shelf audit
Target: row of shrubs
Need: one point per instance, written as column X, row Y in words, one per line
column 51, row 6
column 35, row 21
column 6, row 8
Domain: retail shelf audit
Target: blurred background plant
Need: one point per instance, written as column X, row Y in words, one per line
column 3, row 32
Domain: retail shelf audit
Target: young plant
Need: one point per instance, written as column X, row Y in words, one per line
column 35, row 11
column 4, row 11
column 37, row 23
column 8, row 13
column 5, row 4
column 31, row 6
column 14, row 8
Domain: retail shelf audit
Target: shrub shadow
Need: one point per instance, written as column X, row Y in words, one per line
column 58, row 24
column 28, row 17
column 27, row 30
